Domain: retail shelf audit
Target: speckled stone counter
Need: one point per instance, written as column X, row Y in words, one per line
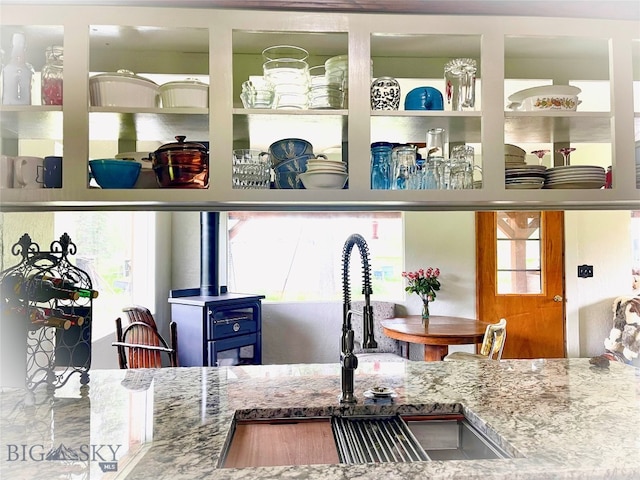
column 558, row 418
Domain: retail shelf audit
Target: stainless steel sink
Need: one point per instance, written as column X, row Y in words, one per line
column 453, row 439
column 357, row 440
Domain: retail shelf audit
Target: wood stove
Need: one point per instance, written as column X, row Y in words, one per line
column 215, row 327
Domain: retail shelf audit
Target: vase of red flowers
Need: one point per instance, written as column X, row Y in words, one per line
column 425, row 284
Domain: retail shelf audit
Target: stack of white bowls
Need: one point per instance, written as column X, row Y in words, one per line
column 513, row 155
column 321, row 174
column 286, row 69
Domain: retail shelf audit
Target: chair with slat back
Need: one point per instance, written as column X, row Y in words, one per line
column 140, row 345
column 492, row 344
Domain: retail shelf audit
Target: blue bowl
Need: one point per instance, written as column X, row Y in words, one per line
column 112, row 173
column 286, row 173
column 289, row 148
column 424, row 98
column 288, row 180
column 297, row 164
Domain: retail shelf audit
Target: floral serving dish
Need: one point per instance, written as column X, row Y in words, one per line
column 549, row 97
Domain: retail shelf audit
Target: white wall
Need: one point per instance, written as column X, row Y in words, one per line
column 601, row 239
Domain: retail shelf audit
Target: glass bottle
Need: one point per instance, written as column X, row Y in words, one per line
column 68, row 285
column 380, row 165
column 17, row 74
column 52, row 76
column 16, row 287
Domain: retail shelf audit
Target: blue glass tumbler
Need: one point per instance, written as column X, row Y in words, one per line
column 381, row 165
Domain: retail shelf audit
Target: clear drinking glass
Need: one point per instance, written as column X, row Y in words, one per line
column 460, row 80
column 435, row 164
column 403, row 158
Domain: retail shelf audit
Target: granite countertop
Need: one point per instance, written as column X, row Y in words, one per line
column 559, row 418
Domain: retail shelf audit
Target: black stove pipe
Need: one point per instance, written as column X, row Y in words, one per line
column 209, row 254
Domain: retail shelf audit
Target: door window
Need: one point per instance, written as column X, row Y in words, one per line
column 518, row 253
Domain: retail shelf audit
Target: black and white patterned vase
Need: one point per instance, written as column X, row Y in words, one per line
column 385, row 94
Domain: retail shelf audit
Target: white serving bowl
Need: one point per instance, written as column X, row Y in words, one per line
column 549, row 97
column 189, row 93
column 323, row 180
column 123, row 89
column 514, row 150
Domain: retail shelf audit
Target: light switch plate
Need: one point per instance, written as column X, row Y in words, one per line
column 585, row 271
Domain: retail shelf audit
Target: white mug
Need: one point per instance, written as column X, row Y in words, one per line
column 6, row 171
column 28, row 172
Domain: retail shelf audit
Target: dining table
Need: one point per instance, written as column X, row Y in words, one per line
column 436, row 336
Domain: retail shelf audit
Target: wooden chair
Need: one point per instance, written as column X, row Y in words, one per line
column 140, row 345
column 492, row 344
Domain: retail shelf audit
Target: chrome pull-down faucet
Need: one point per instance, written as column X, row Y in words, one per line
column 348, row 359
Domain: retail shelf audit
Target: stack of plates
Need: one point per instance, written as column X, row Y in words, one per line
column 523, row 176
column 575, row 176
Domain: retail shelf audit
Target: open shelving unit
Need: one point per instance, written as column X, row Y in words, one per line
column 225, row 46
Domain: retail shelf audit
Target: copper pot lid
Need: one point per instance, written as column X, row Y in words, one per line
column 181, row 145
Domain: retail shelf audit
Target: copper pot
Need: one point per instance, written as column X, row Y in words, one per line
column 181, row 164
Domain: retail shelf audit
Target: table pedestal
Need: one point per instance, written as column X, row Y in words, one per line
column 435, row 353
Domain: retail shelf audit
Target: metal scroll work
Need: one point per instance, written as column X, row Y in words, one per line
column 45, row 317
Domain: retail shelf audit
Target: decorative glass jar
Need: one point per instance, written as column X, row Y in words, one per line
column 52, row 76
column 385, row 94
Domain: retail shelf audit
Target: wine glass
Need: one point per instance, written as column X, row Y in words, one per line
column 566, row 151
column 540, row 154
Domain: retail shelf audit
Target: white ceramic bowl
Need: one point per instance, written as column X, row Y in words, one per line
column 122, row 89
column 549, row 97
column 323, row 180
column 313, row 165
column 189, row 93
column 514, row 150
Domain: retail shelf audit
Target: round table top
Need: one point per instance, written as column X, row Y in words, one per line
column 442, row 330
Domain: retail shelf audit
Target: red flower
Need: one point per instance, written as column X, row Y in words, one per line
column 423, row 282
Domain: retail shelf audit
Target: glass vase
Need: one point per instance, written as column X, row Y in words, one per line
column 425, row 312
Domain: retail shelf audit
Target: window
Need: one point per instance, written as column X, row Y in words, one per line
column 519, row 252
column 298, row 256
column 114, row 248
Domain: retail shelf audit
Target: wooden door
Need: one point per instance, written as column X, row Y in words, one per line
column 520, row 277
